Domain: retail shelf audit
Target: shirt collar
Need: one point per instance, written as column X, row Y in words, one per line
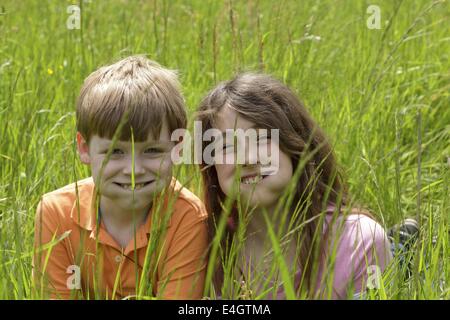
column 84, row 212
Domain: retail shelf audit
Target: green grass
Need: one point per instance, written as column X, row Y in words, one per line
column 382, row 96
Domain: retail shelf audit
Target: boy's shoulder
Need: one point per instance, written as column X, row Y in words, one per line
column 61, row 201
column 187, row 201
column 69, row 192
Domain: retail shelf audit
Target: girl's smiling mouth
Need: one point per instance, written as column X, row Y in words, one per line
column 252, row 179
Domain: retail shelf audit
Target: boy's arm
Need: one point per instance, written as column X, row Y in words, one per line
column 51, row 258
column 184, row 268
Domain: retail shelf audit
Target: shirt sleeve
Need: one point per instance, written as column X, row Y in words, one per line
column 51, row 258
column 362, row 256
column 371, row 255
column 184, row 268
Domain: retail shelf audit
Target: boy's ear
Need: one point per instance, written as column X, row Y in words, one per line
column 83, row 149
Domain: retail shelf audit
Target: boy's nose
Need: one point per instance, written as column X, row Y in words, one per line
column 138, row 167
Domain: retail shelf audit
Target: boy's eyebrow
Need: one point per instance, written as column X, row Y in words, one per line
column 124, row 144
column 105, row 143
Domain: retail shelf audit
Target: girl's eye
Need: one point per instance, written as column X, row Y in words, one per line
column 227, row 148
column 263, row 139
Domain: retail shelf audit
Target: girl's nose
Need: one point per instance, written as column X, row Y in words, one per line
column 251, row 154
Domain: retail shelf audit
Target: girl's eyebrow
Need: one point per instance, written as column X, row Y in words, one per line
column 254, row 126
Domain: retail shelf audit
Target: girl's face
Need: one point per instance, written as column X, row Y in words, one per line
column 261, row 191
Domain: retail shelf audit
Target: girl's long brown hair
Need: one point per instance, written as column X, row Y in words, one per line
column 272, row 105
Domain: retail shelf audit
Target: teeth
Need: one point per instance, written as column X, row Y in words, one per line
column 251, row 180
column 136, row 186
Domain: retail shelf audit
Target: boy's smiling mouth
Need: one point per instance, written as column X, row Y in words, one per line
column 137, row 186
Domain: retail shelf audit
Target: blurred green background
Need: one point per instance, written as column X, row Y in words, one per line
column 381, row 95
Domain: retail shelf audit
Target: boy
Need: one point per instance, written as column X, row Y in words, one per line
column 130, row 229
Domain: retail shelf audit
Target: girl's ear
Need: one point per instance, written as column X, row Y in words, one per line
column 83, row 149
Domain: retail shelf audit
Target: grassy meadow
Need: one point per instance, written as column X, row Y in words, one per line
column 381, row 95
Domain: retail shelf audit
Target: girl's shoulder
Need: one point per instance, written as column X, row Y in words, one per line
column 355, row 226
column 359, row 244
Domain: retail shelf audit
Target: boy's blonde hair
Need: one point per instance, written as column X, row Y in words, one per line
column 147, row 91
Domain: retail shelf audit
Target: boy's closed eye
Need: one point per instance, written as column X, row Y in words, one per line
column 116, row 151
column 154, row 151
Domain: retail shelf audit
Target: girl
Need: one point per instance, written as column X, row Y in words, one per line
column 329, row 248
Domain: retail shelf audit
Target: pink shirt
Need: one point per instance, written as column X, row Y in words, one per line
column 362, row 254
column 361, row 250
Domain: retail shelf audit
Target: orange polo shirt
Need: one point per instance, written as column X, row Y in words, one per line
column 76, row 259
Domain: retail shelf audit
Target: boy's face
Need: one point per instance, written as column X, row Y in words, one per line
column 152, row 168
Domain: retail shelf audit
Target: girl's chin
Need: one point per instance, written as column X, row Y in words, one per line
column 261, row 201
